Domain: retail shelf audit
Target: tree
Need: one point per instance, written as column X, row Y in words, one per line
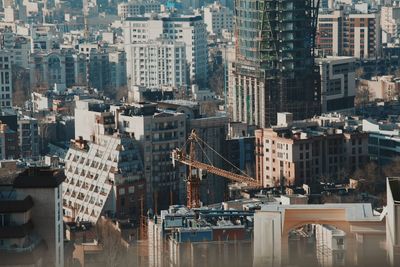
column 217, row 80
column 359, row 72
column 393, row 168
column 368, row 177
column 114, row 252
column 21, row 85
column 363, row 96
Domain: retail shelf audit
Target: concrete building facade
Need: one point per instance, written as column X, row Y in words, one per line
column 189, row 29
column 158, row 64
column 217, row 18
column 6, row 87
column 136, row 8
column 31, row 222
column 338, row 84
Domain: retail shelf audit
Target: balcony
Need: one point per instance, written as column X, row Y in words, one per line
column 16, row 231
column 33, row 242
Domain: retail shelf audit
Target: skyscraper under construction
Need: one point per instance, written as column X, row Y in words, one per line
column 274, row 69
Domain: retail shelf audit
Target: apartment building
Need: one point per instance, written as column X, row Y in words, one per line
column 338, row 83
column 158, row 63
column 211, row 129
column 330, row 245
column 28, row 137
column 9, row 148
column 104, row 176
column 31, row 223
column 158, row 132
column 117, row 65
column 349, row 34
column 180, row 234
column 47, row 69
column 297, row 152
column 135, row 8
column 390, row 16
column 330, row 32
column 217, row 18
column 5, row 79
column 189, row 29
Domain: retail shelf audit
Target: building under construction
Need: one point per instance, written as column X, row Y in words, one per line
column 274, row 69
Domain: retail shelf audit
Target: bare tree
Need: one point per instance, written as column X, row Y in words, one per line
column 363, row 96
column 21, row 85
column 393, row 168
column 368, row 177
column 114, row 252
column 359, row 72
column 217, row 80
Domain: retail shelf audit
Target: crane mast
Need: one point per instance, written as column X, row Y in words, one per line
column 193, row 179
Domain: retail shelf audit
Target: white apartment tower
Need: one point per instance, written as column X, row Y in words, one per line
column 5, row 80
column 218, row 17
column 103, row 168
column 159, row 63
column 189, row 30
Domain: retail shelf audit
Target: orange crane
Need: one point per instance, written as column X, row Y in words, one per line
column 193, row 180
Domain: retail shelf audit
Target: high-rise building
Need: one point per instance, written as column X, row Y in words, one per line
column 6, row 80
column 158, row 64
column 189, row 29
column 158, row 132
column 217, row 18
column 349, row 34
column 274, row 69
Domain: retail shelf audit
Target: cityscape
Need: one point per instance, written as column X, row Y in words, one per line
column 196, row 133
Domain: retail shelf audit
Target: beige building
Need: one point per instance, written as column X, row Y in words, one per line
column 386, row 87
column 390, row 16
column 297, row 152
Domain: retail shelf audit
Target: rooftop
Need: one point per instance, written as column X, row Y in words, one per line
column 39, row 177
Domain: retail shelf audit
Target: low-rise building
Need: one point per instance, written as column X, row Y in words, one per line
column 385, row 88
column 383, row 140
column 180, row 234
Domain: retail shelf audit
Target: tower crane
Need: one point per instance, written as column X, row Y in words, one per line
column 193, row 179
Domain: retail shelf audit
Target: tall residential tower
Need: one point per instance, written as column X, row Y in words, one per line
column 274, row 69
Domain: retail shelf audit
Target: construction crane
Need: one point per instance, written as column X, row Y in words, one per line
column 195, row 167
